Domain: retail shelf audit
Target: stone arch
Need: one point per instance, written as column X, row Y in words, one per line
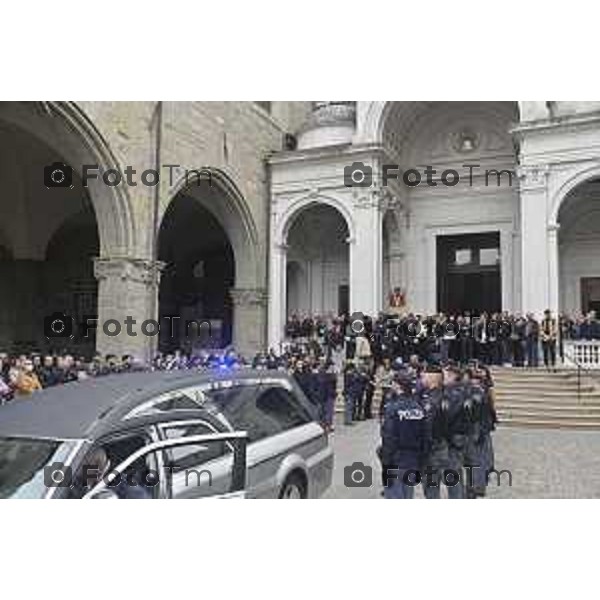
column 374, row 116
column 37, row 135
column 370, row 118
column 576, row 222
column 446, row 135
column 229, row 290
column 232, row 212
column 295, row 208
column 67, row 130
column 316, row 240
column 568, row 186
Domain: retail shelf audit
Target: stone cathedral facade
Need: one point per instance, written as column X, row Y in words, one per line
column 256, row 215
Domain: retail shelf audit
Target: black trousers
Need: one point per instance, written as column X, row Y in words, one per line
column 368, row 404
column 549, row 351
column 518, row 353
column 466, row 349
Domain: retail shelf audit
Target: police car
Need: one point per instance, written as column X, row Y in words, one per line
column 165, row 435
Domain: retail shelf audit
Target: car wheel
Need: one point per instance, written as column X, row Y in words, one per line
column 294, row 488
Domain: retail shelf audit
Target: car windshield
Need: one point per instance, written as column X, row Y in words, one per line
column 23, row 462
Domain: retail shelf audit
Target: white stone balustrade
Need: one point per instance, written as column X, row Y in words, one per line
column 583, row 352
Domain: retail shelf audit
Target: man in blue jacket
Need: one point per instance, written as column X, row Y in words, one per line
column 404, row 440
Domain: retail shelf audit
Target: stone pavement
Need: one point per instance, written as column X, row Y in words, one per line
column 557, row 463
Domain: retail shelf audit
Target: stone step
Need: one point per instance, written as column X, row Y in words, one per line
column 533, row 387
column 549, row 408
column 541, row 423
column 503, row 400
column 548, row 378
column 545, row 415
column 535, row 376
column 539, row 372
column 527, row 392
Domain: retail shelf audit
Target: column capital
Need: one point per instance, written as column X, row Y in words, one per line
column 553, row 228
column 247, row 297
column 533, row 177
column 126, row 268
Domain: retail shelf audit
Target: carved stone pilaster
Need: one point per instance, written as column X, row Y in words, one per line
column 137, row 270
column 250, row 323
column 248, row 297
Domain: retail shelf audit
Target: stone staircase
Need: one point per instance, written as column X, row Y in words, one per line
column 537, row 398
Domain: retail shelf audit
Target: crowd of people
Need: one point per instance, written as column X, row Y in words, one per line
column 493, row 339
column 426, row 377
column 437, row 424
column 24, row 374
column 433, row 383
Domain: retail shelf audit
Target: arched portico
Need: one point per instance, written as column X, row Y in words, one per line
column 43, row 242
column 444, row 138
column 322, row 269
column 317, row 244
column 578, row 246
column 555, row 234
column 209, row 245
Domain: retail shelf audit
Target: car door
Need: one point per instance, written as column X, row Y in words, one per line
column 283, row 441
column 236, row 487
column 196, row 470
column 267, row 413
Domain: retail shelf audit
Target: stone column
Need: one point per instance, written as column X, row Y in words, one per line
column 127, row 288
column 249, row 319
column 553, row 270
column 277, row 293
column 366, row 260
column 506, row 270
column 535, row 274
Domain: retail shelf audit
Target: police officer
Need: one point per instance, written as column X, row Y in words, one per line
column 370, row 385
column 353, row 387
column 404, row 440
column 476, row 477
column 488, row 425
column 328, row 384
column 458, row 423
column 306, row 378
column 431, row 398
column 362, row 385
